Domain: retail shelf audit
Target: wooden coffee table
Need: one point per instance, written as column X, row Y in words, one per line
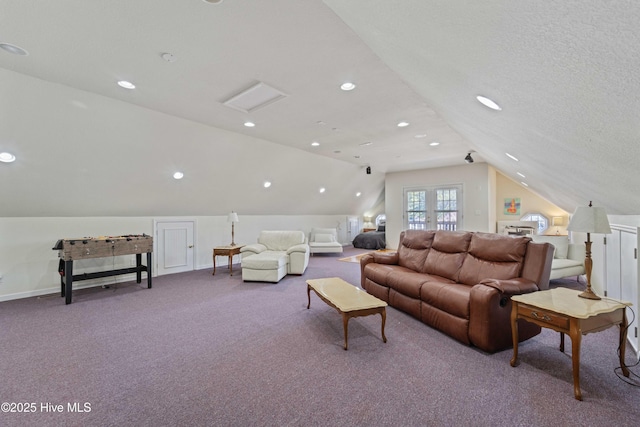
column 349, row 300
column 563, row 311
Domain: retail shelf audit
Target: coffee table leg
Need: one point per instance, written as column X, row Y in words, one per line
column 514, row 333
column 345, row 324
column 308, row 296
column 576, row 337
column 383, row 313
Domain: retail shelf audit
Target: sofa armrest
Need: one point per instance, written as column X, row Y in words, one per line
column 254, row 248
column 302, row 247
column 515, row 286
column 390, row 258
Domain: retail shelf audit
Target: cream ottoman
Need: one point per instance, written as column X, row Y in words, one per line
column 267, row 266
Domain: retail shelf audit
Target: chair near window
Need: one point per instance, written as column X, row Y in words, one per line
column 324, row 240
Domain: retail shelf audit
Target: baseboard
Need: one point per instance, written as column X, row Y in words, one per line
column 76, row 285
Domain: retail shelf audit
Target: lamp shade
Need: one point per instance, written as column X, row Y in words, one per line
column 233, row 217
column 589, row 219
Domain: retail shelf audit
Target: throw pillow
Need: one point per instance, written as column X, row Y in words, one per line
column 324, row 238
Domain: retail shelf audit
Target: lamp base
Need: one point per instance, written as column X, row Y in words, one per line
column 589, row 294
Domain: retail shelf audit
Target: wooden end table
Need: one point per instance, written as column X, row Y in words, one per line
column 228, row 251
column 349, row 300
column 563, row 311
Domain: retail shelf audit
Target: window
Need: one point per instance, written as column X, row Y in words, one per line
column 416, row 210
column 543, row 221
column 436, row 208
column 446, row 208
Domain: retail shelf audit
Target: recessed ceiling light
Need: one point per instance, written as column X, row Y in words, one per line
column 434, row 143
column 512, row 157
column 178, row 175
column 347, row 86
column 488, row 103
column 213, row 1
column 320, row 122
column 125, row 84
column 364, row 144
column 249, row 124
column 315, row 143
column 524, row 183
column 403, row 124
column 337, row 151
column 267, row 184
column 358, row 194
column 11, row 48
column 322, row 190
column 521, row 175
column 7, row 157
column 421, row 135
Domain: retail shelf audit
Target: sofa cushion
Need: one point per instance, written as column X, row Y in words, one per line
column 407, row 282
column 379, row 272
column 447, row 254
column 414, row 247
column 566, row 263
column 493, row 256
column 267, row 260
column 452, row 298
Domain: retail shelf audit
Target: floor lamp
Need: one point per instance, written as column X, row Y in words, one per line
column 233, row 218
column 589, row 219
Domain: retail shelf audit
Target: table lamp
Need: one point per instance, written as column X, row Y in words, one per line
column 557, row 221
column 589, row 219
column 232, row 218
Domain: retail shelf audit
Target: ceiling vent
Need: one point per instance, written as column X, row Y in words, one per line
column 257, row 96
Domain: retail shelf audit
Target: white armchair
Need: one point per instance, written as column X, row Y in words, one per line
column 324, row 240
column 276, row 254
column 568, row 258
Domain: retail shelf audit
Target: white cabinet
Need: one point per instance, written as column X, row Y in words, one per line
column 621, row 274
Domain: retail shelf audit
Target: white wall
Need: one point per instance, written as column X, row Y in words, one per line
column 29, row 265
column 475, row 179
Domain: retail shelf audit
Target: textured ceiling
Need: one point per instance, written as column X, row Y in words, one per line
column 565, row 76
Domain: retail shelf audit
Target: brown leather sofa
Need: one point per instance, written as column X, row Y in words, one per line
column 461, row 282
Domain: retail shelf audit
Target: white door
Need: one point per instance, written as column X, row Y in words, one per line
column 174, row 245
column 353, row 228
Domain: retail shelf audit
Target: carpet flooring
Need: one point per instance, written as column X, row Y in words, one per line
column 206, row 350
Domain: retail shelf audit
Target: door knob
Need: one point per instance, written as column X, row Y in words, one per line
column 190, row 246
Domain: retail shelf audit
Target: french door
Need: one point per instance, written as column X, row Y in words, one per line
column 433, row 208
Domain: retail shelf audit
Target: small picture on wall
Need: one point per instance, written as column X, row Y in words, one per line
column 512, row 206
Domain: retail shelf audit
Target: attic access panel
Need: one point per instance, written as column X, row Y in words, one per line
column 257, row 96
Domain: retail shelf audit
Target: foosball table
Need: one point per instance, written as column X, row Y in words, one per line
column 70, row 250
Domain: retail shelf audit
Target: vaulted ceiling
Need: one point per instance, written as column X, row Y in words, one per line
column 565, row 77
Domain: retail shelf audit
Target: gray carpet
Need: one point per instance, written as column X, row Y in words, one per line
column 203, row 350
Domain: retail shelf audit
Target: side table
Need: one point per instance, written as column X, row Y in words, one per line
column 228, row 251
column 563, row 311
